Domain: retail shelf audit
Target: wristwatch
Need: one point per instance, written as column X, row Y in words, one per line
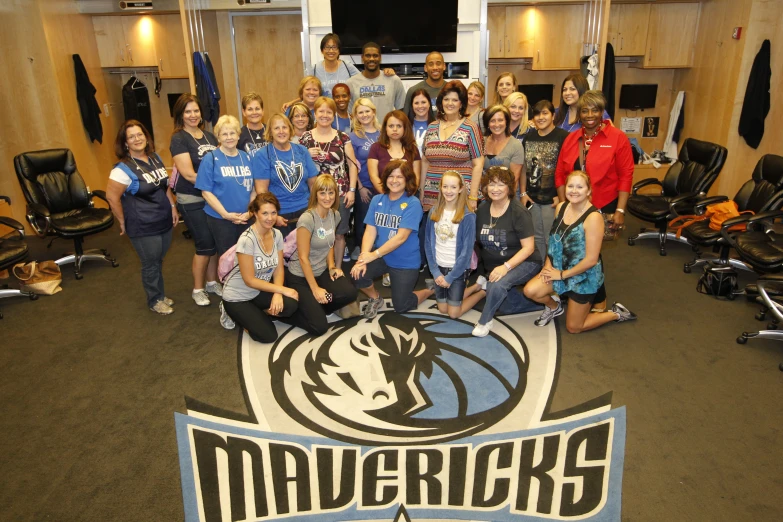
column 620, row 210
column 352, row 189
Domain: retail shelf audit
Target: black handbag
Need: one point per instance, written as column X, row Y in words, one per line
column 718, row 281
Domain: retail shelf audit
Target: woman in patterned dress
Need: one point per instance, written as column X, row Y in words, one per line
column 453, row 142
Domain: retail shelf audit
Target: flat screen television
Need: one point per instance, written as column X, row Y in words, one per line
column 535, row 93
column 638, row 96
column 398, row 26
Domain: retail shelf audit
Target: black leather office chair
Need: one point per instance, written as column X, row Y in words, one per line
column 59, row 204
column 762, row 192
column 12, row 251
column 688, row 179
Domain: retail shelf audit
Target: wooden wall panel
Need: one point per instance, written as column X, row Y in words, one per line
column 765, row 22
column 213, row 45
column 227, row 64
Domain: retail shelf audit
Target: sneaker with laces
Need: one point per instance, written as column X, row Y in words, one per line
column 347, row 256
column 623, row 314
column 548, row 314
column 481, row 330
column 372, row 307
column 355, row 254
column 162, row 308
column 213, row 287
column 200, row 297
column 386, row 280
column 482, row 282
column 225, row 321
column 430, row 284
column 168, row 301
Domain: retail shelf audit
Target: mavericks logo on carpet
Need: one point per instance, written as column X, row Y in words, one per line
column 403, row 417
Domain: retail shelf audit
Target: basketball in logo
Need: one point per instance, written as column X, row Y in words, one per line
column 399, row 378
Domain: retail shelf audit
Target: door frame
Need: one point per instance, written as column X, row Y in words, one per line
column 231, row 16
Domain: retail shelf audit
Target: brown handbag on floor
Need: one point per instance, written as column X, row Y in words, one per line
column 42, row 278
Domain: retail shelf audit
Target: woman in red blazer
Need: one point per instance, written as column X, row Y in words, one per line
column 604, row 152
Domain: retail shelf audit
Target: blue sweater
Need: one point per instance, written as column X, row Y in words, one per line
column 466, row 238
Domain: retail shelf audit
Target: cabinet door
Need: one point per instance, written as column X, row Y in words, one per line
column 520, row 31
column 634, row 22
column 671, row 35
column 559, row 35
column 139, row 41
column 613, row 30
column 111, row 41
column 496, row 25
column 170, row 46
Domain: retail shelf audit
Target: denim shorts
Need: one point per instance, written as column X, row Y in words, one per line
column 453, row 294
column 196, row 220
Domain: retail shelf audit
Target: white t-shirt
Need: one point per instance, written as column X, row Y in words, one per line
column 119, row 175
column 446, row 240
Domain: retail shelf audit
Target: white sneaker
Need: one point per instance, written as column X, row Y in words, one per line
column 355, row 254
column 482, row 282
column 225, row 321
column 213, row 287
column 162, row 308
column 481, row 330
column 200, row 297
column 168, row 301
column 386, row 280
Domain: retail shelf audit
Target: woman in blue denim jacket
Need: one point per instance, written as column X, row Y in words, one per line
column 449, row 237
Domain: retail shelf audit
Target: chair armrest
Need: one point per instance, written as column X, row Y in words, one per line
column 39, row 209
column 750, row 220
column 12, row 223
column 6, row 199
column 683, row 198
column 701, row 206
column 645, row 183
column 100, row 193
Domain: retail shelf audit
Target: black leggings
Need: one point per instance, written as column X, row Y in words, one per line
column 251, row 315
column 311, row 315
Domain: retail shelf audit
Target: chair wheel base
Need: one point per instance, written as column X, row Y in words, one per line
column 686, row 268
column 662, row 252
column 33, row 297
column 760, row 316
column 742, row 339
column 114, row 263
column 631, row 242
column 772, row 326
column 78, row 276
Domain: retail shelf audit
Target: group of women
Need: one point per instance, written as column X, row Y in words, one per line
column 424, row 190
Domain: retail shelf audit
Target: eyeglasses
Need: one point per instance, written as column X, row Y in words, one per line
column 136, row 137
column 331, row 48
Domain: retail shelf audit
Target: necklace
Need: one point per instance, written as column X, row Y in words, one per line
column 589, row 140
column 337, row 119
column 157, row 180
column 568, row 227
column 259, row 137
column 321, row 231
column 493, row 224
column 261, row 243
column 245, row 182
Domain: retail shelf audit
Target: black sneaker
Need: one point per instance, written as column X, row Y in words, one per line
column 623, row 314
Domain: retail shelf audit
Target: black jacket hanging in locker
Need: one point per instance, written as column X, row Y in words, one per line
column 88, row 105
column 610, row 78
column 756, row 105
column 136, row 100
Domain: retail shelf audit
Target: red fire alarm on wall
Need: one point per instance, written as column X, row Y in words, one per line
column 737, row 33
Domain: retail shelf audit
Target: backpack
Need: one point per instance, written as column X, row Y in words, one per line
column 717, row 213
column 718, row 281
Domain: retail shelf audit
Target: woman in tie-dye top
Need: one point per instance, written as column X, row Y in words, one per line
column 453, row 142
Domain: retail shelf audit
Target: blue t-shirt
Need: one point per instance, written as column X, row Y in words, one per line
column 287, row 172
column 342, row 124
column 387, row 217
column 419, row 130
column 361, row 148
column 229, row 179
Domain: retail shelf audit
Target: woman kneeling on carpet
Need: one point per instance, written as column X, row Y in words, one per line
column 573, row 268
column 253, row 290
column 391, row 241
column 322, row 287
column 504, row 230
column 139, row 195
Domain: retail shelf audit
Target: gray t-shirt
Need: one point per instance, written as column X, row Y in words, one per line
column 385, row 92
column 265, row 264
column 513, row 152
column 433, row 92
column 321, row 240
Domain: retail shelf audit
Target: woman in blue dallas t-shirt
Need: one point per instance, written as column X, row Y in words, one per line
column 391, row 242
column 225, row 179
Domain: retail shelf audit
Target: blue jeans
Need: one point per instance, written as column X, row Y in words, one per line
column 452, row 295
column 360, row 209
column 225, row 234
column 151, row 251
column 196, row 220
column 403, row 281
column 503, row 296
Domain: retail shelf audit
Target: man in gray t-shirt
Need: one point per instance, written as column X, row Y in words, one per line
column 386, row 92
column 434, row 67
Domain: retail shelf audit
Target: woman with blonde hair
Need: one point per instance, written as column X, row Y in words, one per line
column 302, row 120
column 516, row 103
column 225, row 179
column 573, row 267
column 366, row 132
column 475, row 110
column 312, row 271
column 449, row 234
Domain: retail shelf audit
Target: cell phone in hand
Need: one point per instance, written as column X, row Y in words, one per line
column 529, row 205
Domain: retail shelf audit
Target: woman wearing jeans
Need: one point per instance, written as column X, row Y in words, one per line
column 505, row 234
column 140, row 198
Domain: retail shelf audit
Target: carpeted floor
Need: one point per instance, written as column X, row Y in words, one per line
column 91, row 380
